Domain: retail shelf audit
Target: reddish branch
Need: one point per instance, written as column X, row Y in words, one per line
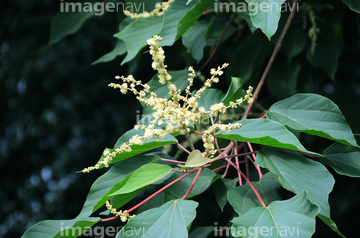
column 248, row 181
column 193, row 183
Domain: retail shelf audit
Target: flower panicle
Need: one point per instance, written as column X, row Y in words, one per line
column 173, row 115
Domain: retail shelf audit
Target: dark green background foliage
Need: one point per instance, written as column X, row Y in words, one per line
column 57, row 113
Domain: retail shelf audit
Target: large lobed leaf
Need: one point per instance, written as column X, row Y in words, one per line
column 170, row 220
column 243, row 198
column 313, row 114
column 296, row 173
column 294, row 217
column 264, row 132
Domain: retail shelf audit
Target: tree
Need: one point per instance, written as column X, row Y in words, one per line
column 191, row 143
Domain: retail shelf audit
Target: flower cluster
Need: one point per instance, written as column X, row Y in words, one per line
column 124, row 215
column 159, row 10
column 208, row 136
column 171, row 116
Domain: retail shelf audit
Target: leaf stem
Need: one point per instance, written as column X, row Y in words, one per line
column 254, row 157
column 183, row 148
column 248, row 181
column 271, row 61
column 192, row 184
column 237, row 163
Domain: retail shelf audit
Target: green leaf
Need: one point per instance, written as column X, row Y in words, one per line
column 179, row 189
column 221, row 187
column 296, row 172
column 195, row 159
column 60, row 228
column 111, row 181
column 120, row 48
column 209, row 97
column 136, row 34
column 234, row 92
column 245, row 13
column 343, row 158
column 353, row 5
column 326, row 57
column 313, row 114
column 194, row 39
column 294, row 217
column 178, row 77
column 144, row 176
column 192, row 16
column 169, row 220
column 243, row 198
column 331, row 224
column 264, row 132
column 265, row 15
column 172, row 17
column 66, row 23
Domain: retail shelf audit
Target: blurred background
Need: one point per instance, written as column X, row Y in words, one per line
column 58, row 114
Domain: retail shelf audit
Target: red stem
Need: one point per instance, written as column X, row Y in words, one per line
column 237, row 164
column 248, row 181
column 109, row 219
column 254, row 157
column 218, row 168
column 226, row 170
column 192, row 184
column 183, row 148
